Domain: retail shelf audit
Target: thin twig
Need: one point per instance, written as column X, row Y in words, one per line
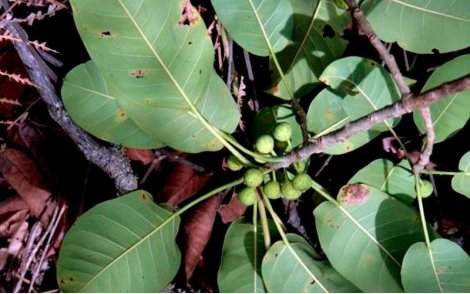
column 391, row 63
column 55, row 222
column 416, row 102
column 110, row 160
column 251, row 77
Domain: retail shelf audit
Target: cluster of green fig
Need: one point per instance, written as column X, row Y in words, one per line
column 273, row 185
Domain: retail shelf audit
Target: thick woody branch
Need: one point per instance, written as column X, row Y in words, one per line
column 111, row 160
column 416, row 102
column 366, row 28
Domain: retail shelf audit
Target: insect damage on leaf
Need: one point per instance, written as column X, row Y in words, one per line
column 139, row 73
column 189, row 14
column 106, row 34
column 353, row 194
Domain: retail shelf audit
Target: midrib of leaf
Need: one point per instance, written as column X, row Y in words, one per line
column 312, row 275
column 400, row 2
column 306, row 36
column 438, row 118
column 125, row 252
column 327, row 196
column 388, row 177
column 193, row 108
column 369, row 100
column 271, row 51
column 367, row 233
column 434, row 270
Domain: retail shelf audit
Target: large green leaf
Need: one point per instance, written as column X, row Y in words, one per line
column 293, row 268
column 122, row 245
column 395, row 180
column 86, row 96
column 461, row 182
column 421, row 26
column 449, row 115
column 242, row 253
column 444, row 267
column 326, row 114
column 364, row 85
column 159, row 69
column 316, row 42
column 366, row 235
column 257, row 25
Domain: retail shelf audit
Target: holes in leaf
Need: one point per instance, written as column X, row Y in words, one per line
column 328, row 32
column 106, row 34
column 189, row 14
column 435, row 51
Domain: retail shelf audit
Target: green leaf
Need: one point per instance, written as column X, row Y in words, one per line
column 366, row 235
column 258, row 26
column 449, row 115
column 326, row 114
column 421, row 26
column 310, row 51
column 461, row 182
column 122, row 245
column 293, row 268
column 395, row 180
column 267, row 118
column 364, row 85
column 86, row 96
column 241, row 258
column 158, row 68
column 444, row 267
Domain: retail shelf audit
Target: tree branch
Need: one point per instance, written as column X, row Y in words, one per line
column 416, row 102
column 111, row 160
column 366, row 28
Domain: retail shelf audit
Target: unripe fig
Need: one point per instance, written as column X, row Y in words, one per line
column 247, row 196
column 253, row 177
column 283, row 132
column 426, row 188
column 272, row 190
column 289, row 192
column 265, row 144
column 302, row 182
column 233, row 163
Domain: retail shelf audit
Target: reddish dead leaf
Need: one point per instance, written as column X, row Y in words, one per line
column 143, row 155
column 232, row 211
column 18, row 238
column 24, row 176
column 11, row 223
column 198, row 230
column 11, row 205
column 189, row 15
column 182, row 183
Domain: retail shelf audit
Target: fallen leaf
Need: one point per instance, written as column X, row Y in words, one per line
column 143, row 155
column 11, row 223
column 12, row 204
column 182, row 183
column 3, row 258
column 232, row 211
column 24, row 176
column 17, row 240
column 198, row 230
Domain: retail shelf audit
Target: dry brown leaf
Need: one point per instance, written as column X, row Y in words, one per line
column 143, row 155
column 24, row 176
column 18, row 238
column 11, row 224
column 232, row 211
column 12, row 204
column 198, row 230
column 183, row 183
